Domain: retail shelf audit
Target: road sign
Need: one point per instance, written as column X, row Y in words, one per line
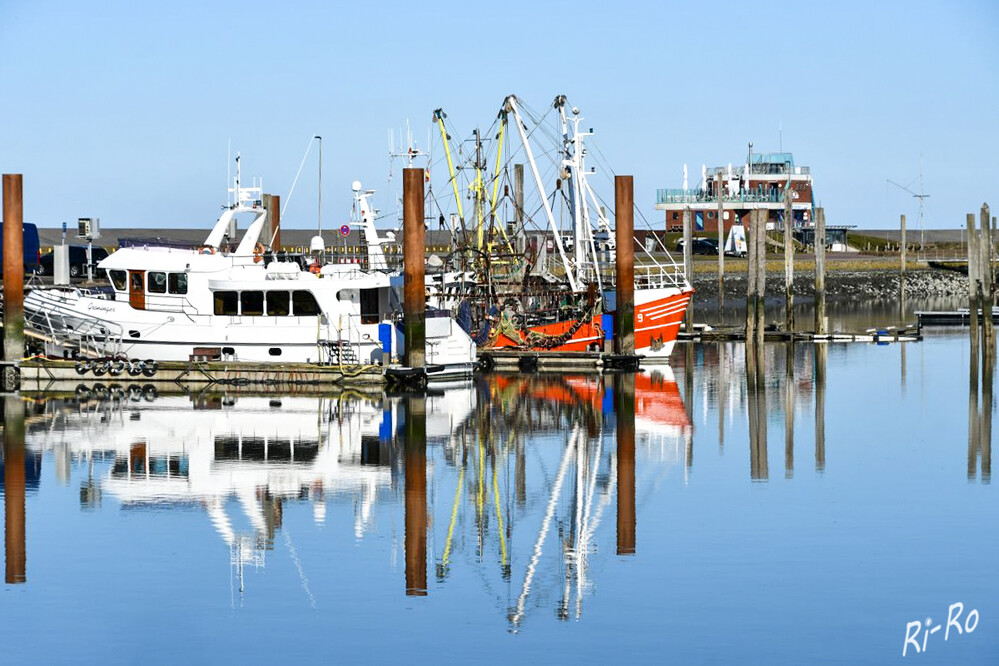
column 345, row 230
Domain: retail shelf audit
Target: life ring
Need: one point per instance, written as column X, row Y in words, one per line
column 83, row 367
column 258, row 253
column 150, row 368
column 117, row 367
column 135, row 367
column 206, row 249
column 101, row 368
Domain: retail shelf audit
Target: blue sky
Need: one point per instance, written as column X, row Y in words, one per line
column 125, row 110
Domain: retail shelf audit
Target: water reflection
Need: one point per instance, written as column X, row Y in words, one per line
column 14, row 477
column 982, row 364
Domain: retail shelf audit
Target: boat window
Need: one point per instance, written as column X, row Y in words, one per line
column 278, row 303
column 118, row 279
column 252, row 303
column 226, row 303
column 304, row 304
column 157, row 283
column 178, row 283
column 369, row 306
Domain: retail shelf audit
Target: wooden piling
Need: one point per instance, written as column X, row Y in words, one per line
column 820, row 271
column 688, row 265
column 721, row 253
column 272, row 227
column 974, row 419
column 624, row 410
column 13, row 268
column 788, row 261
column 756, row 405
column 415, row 452
column 414, row 258
column 751, row 275
column 761, row 277
column 987, row 273
column 901, row 281
column 973, row 304
column 985, row 427
column 624, row 316
column 14, row 487
column 688, row 399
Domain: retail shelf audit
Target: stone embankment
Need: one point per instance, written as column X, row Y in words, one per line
column 842, row 284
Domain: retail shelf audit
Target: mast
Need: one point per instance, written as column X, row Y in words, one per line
column 511, row 104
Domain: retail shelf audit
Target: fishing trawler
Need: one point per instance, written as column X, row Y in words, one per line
column 241, row 302
column 561, row 295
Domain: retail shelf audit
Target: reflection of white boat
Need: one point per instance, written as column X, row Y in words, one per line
column 241, row 302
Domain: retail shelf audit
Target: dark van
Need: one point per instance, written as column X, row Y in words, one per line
column 77, row 260
column 32, row 249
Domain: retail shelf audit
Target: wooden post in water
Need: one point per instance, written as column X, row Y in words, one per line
column 988, row 280
column 624, row 317
column 688, row 264
column 414, row 259
column 972, row 275
column 14, row 486
column 271, row 235
column 820, row 271
column 756, row 404
column 901, row 281
column 788, row 261
column 13, row 269
column 624, row 409
column 751, row 275
column 688, row 398
column 761, row 277
column 985, row 429
column 974, row 421
column 415, row 452
column 721, row 252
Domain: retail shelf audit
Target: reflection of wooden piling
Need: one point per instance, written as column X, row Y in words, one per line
column 13, row 268
column 688, row 264
column 414, row 258
column 988, row 365
column 13, row 458
column 974, row 440
column 901, row 268
column 756, row 403
column 820, row 271
column 788, row 261
column 821, row 351
column 624, row 215
column 688, row 397
column 415, row 452
column 789, row 390
column 624, row 408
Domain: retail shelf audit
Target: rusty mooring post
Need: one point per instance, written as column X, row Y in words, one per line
column 624, row 408
column 624, row 317
column 13, row 270
column 415, row 448
column 414, row 258
column 789, row 262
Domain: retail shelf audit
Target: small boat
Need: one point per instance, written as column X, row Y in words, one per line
column 241, row 301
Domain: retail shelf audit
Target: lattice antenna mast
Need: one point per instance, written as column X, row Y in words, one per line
column 921, row 196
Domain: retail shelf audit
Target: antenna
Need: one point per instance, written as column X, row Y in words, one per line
column 921, row 196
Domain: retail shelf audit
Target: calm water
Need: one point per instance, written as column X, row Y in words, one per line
column 649, row 519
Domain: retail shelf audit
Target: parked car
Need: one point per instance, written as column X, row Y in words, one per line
column 29, row 242
column 700, row 246
column 77, row 260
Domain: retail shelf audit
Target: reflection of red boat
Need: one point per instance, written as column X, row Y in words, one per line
column 658, row 399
